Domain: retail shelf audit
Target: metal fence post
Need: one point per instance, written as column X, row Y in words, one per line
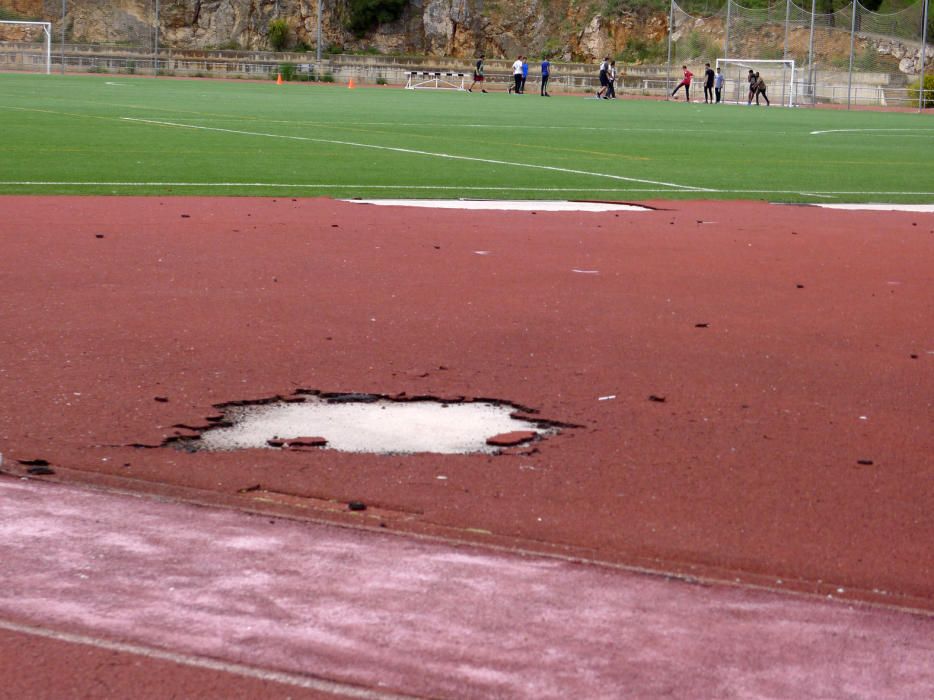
column 849, row 83
column 924, row 43
column 726, row 41
column 671, row 20
column 155, row 56
column 318, row 40
column 63, row 37
column 787, row 20
column 811, row 74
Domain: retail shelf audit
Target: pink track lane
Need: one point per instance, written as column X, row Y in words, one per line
column 396, row 614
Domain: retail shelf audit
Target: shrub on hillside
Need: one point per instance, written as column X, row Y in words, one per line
column 278, row 34
column 639, row 50
column 367, row 14
column 928, row 91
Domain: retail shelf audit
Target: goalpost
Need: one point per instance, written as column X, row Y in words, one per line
column 13, row 55
column 779, row 76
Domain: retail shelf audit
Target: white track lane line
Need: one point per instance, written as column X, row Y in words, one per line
column 921, row 208
column 203, row 662
column 411, row 151
column 501, row 205
column 441, row 188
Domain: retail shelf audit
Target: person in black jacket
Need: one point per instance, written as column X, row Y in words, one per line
column 708, row 84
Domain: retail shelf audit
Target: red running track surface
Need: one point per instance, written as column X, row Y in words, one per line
column 792, row 346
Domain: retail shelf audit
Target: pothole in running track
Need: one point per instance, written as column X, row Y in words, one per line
column 369, row 423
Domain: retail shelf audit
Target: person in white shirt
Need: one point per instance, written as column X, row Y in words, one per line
column 517, row 76
column 718, row 84
column 611, row 81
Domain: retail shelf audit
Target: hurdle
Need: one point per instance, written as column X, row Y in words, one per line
column 435, row 80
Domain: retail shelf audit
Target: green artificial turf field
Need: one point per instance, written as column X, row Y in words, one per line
column 125, row 135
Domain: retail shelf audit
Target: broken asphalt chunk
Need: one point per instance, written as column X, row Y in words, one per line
column 306, row 442
column 516, row 437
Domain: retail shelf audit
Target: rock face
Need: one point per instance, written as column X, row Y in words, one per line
column 568, row 30
column 459, row 28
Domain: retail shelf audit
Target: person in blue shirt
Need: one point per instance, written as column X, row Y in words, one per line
column 546, row 73
column 525, row 72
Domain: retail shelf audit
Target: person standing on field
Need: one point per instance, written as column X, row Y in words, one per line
column 751, row 77
column 546, row 73
column 760, row 90
column 478, row 75
column 516, row 76
column 718, row 84
column 611, row 81
column 685, row 83
column 604, row 69
column 708, row 84
column 525, row 72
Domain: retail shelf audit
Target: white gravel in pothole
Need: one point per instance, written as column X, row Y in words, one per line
column 382, row 426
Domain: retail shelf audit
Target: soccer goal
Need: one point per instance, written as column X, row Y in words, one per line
column 779, row 76
column 25, row 45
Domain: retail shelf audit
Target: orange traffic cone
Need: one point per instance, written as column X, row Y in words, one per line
column 350, row 84
column 279, row 79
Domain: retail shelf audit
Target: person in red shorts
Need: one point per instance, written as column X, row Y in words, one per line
column 686, row 84
column 478, row 76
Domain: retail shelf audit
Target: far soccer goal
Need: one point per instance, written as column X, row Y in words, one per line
column 779, row 77
column 26, row 46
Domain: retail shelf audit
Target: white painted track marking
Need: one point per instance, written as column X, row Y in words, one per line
column 922, row 208
column 203, row 662
column 412, row 151
column 500, row 205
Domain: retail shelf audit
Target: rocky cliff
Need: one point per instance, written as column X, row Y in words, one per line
column 565, row 29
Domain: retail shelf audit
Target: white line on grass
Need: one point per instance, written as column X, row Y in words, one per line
column 539, row 127
column 842, row 131
column 442, row 188
column 411, row 151
column 203, row 662
column 329, row 186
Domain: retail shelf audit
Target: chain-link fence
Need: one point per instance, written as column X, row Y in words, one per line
column 851, row 56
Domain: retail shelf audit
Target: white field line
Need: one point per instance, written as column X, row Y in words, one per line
column 844, row 131
column 331, row 186
column 203, row 662
column 411, row 151
column 444, row 188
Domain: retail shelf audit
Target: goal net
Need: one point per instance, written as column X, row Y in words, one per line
column 778, row 74
column 26, row 46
